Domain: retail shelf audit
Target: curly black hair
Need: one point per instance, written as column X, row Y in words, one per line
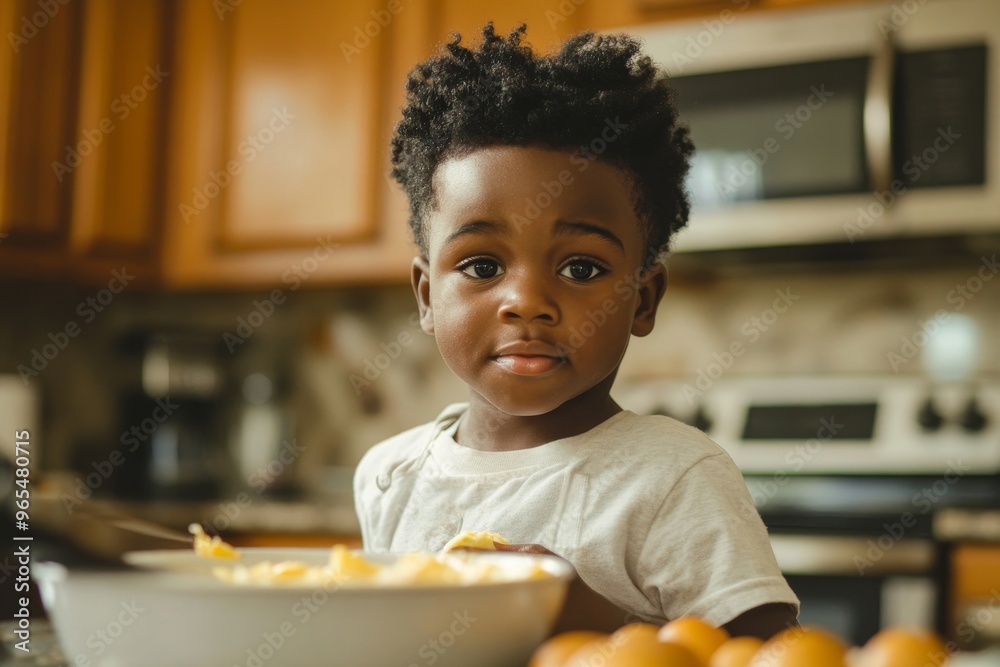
column 503, row 94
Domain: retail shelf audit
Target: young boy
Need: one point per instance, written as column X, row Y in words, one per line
column 543, row 192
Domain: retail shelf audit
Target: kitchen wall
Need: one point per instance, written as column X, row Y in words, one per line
column 352, row 367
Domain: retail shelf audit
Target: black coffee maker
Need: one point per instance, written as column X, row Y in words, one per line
column 174, row 417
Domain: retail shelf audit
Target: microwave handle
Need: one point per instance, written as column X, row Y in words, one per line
column 878, row 114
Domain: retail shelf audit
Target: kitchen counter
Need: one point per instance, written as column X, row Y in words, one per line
column 253, row 518
column 964, row 525
column 44, row 648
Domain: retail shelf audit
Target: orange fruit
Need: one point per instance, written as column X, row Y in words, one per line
column 634, row 631
column 635, row 645
column 555, row 650
column 736, row 652
column 594, row 652
column 697, row 635
column 800, row 647
column 901, row 647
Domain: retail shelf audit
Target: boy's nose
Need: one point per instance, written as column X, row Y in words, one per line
column 528, row 299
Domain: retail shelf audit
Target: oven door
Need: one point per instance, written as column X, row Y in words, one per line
column 854, row 586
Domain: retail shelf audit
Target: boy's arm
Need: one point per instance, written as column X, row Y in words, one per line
column 586, row 609
column 764, row 621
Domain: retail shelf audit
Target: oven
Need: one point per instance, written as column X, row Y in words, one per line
column 848, row 473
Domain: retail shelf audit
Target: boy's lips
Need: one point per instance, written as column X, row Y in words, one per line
column 529, row 357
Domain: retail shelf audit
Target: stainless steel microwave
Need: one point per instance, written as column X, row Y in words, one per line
column 839, row 123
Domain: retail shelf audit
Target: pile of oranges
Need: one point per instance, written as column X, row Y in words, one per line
column 691, row 642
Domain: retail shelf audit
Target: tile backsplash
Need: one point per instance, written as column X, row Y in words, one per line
column 351, row 367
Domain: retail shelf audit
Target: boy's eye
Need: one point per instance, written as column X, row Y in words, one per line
column 482, row 268
column 580, row 269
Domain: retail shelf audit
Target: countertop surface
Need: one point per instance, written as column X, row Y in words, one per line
column 43, row 647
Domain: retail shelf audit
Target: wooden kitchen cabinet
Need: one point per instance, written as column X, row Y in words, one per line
column 82, row 138
column 36, row 123
column 258, row 154
column 974, row 598
column 610, row 14
column 278, row 172
column 549, row 22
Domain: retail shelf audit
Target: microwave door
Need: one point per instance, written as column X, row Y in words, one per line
column 837, row 124
column 776, row 132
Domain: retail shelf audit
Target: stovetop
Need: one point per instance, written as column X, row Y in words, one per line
column 863, row 505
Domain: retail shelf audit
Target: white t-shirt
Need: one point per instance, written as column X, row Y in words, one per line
column 653, row 515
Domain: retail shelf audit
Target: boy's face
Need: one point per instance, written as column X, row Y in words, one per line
column 530, row 284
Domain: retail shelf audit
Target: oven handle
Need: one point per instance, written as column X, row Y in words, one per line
column 878, row 114
column 852, row 555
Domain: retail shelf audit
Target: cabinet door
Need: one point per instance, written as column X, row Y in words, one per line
column 83, row 143
column 38, row 87
column 549, row 22
column 280, row 144
column 613, row 14
column 122, row 113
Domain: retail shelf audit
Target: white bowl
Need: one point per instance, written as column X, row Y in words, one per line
column 181, row 615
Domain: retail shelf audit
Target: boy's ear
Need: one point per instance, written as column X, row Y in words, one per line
column 651, row 290
column 420, row 278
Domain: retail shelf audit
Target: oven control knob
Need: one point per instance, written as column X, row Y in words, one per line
column 973, row 420
column 928, row 417
column 701, row 421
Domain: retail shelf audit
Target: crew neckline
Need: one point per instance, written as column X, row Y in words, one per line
column 458, row 459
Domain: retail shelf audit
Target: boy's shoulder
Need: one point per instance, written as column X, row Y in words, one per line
column 658, row 437
column 407, row 444
column 654, row 452
column 639, row 461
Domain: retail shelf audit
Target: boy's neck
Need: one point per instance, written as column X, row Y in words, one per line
column 487, row 429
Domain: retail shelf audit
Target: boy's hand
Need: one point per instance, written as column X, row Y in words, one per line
column 585, row 608
column 524, row 549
